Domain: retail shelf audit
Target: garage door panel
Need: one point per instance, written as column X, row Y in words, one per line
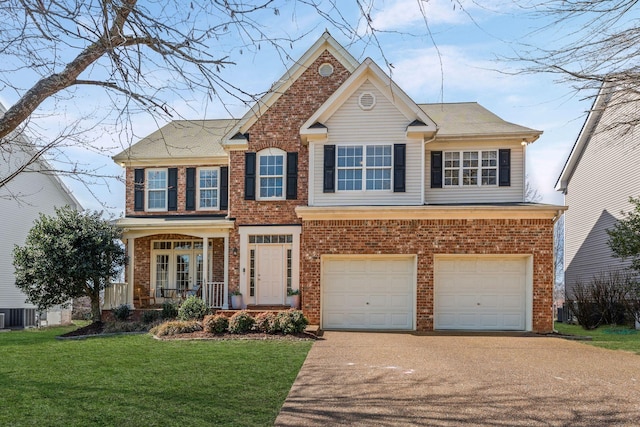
column 375, row 293
column 480, row 293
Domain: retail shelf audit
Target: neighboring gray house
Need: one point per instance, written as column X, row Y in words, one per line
column 602, row 171
column 21, row 202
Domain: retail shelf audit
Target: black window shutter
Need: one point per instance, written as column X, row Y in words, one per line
column 249, row 176
column 436, row 169
column 224, row 188
column 399, row 167
column 504, row 167
column 190, row 193
column 292, row 176
column 138, row 190
column 172, row 191
column 329, row 169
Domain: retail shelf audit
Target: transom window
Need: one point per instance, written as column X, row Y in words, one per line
column 469, row 168
column 271, row 174
column 157, row 189
column 367, row 167
column 208, row 188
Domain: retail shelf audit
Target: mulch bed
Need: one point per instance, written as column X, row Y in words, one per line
column 98, row 328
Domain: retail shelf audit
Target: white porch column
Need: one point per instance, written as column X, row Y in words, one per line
column 130, row 285
column 205, row 268
column 225, row 304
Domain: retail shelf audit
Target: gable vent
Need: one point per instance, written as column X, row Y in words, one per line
column 367, row 100
column 325, row 70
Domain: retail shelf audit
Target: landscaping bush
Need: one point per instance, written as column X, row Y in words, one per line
column 121, row 312
column 169, row 310
column 605, row 300
column 291, row 322
column 193, row 308
column 241, row 322
column 118, row 327
column 216, row 324
column 265, row 322
column 150, row 316
column 176, row 327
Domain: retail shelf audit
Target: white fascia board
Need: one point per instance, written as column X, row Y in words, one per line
column 585, row 134
column 307, row 213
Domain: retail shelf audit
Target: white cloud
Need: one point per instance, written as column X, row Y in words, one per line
column 420, row 74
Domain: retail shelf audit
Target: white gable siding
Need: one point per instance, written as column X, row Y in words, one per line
column 482, row 194
column 599, row 189
column 383, row 124
column 35, row 193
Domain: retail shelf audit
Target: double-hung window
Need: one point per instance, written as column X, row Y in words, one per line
column 208, row 185
column 157, row 189
column 470, row 168
column 271, row 169
column 364, row 167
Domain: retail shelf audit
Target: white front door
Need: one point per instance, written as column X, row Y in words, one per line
column 270, row 274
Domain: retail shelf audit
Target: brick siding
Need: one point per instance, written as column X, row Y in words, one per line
column 426, row 238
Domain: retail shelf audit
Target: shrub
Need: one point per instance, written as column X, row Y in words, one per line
column 121, row 312
column 265, row 322
column 603, row 300
column 169, row 310
column 241, row 322
column 291, row 322
column 217, row 324
column 176, row 327
column 193, row 308
column 150, row 316
column 117, row 327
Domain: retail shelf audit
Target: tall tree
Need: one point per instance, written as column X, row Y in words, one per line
column 68, row 256
column 143, row 55
column 586, row 43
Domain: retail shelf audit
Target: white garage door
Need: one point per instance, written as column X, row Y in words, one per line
column 368, row 293
column 480, row 293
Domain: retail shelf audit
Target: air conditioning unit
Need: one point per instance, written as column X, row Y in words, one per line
column 1, row 320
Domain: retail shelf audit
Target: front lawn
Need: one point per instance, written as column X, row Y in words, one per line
column 611, row 337
column 135, row 380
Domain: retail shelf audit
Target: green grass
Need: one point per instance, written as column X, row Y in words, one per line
column 135, row 380
column 611, row 337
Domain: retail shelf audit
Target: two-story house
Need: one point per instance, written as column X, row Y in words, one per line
column 384, row 213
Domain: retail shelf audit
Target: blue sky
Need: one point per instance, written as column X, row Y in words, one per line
column 462, row 65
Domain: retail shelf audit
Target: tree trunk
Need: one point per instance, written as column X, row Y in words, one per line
column 96, row 313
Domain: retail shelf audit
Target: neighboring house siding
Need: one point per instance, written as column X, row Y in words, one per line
column 382, row 124
column 474, row 194
column 427, row 238
column 599, row 189
column 21, row 202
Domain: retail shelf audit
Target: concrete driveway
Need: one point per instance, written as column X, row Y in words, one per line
column 390, row 379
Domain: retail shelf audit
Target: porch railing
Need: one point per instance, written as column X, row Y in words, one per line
column 214, row 294
column 115, row 295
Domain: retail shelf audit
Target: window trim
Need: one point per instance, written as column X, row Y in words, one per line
column 217, row 188
column 272, row 151
column 364, row 168
column 147, row 190
column 461, row 168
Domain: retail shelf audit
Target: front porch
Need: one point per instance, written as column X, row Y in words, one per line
column 170, row 259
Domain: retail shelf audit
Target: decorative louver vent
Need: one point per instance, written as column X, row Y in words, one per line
column 367, row 100
column 325, row 70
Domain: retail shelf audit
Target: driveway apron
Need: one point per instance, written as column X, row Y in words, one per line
column 392, row 379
